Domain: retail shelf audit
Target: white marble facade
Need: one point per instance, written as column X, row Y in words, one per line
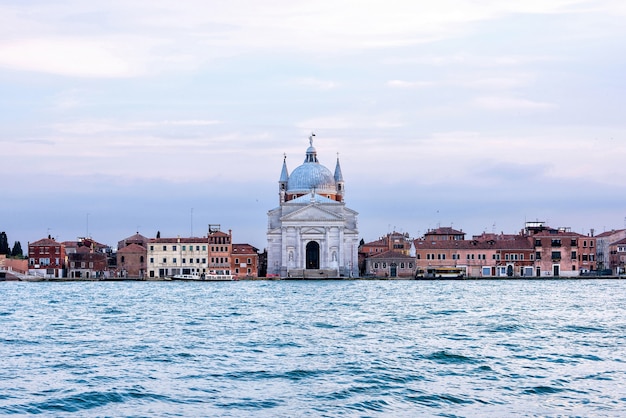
column 312, row 229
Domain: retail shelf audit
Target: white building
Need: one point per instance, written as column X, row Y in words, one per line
column 171, row 256
column 312, row 234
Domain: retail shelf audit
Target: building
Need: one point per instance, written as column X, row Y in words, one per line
column 86, row 263
column 312, row 234
column 563, row 253
column 131, row 261
column 219, row 250
column 46, row 258
column 485, row 255
column 445, row 233
column 391, row 264
column 168, row 257
column 245, row 261
column 617, row 252
column 604, row 253
column 394, row 242
column 133, row 239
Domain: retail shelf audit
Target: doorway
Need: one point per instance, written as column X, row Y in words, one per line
column 313, row 255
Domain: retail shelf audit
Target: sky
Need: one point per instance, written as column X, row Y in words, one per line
column 141, row 116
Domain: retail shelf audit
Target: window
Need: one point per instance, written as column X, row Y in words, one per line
column 573, row 255
column 204, row 248
column 591, row 244
column 375, row 265
column 152, row 248
column 384, row 265
column 91, row 264
column 537, row 255
column 122, row 259
column 204, row 261
column 197, row 248
column 164, row 260
column 236, row 261
column 249, row 271
column 556, row 255
column 184, row 248
column 249, row 261
column 151, row 260
column 72, row 264
column 82, row 265
column 173, row 248
column 174, row 260
column 585, row 244
column 184, row 261
column 141, row 259
column 165, row 248
column 401, row 265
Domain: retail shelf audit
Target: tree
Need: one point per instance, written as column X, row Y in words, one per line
column 4, row 244
column 17, row 250
column 158, row 234
column 362, row 243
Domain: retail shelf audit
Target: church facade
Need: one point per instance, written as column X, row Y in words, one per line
column 312, row 234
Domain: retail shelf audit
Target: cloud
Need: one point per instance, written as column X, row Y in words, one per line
column 511, row 103
column 99, row 126
column 315, row 83
column 129, row 39
column 66, row 56
column 409, row 84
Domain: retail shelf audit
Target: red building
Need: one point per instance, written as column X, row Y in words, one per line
column 46, row 257
column 245, row 261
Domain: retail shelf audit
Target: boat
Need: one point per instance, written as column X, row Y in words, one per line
column 440, row 273
column 212, row 276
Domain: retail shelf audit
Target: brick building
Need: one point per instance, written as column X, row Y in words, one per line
column 245, row 261
column 131, row 261
column 46, row 257
column 87, row 263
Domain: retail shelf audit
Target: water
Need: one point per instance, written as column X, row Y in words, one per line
column 309, row 349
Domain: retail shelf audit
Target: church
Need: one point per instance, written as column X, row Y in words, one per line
column 312, row 234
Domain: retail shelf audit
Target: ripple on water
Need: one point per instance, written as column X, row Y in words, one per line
column 444, row 357
column 267, row 349
column 84, row 401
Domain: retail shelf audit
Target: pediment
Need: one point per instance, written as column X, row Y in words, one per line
column 312, row 231
column 312, row 213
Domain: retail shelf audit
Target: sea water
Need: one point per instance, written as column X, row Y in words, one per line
column 314, row 348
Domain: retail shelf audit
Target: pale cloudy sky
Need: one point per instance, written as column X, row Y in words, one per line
column 168, row 115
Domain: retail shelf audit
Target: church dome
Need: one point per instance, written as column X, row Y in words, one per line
column 311, row 175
